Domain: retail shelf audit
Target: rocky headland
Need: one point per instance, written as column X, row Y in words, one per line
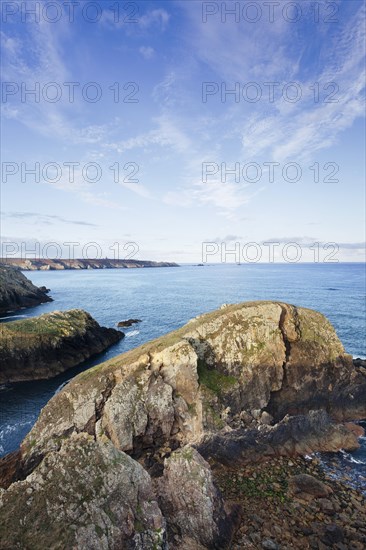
column 16, row 291
column 60, row 264
column 197, row 440
column 42, row 347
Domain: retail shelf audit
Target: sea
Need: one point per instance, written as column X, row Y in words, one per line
column 166, row 298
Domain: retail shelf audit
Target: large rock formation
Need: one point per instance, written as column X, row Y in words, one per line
column 16, row 291
column 212, row 388
column 42, row 347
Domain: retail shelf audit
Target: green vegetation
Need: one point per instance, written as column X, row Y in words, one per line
column 59, row 324
column 261, row 485
column 213, row 416
column 99, row 531
column 214, row 380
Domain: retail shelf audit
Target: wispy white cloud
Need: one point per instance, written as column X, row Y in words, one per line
column 241, row 53
column 151, row 18
column 132, row 17
column 147, row 52
column 167, row 133
column 226, row 198
column 47, row 219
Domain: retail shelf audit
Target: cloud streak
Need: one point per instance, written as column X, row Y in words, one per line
column 46, row 219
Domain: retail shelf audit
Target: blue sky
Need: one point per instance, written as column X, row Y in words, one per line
column 163, row 58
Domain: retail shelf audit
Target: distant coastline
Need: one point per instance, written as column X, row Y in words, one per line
column 62, row 264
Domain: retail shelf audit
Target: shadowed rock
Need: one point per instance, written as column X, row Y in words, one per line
column 196, row 508
column 42, row 347
column 16, row 291
column 293, row 436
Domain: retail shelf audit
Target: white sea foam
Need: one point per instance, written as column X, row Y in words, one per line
column 132, row 333
column 13, row 317
column 349, row 457
column 61, row 386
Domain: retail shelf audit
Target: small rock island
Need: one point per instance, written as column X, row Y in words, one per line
column 42, row 347
column 197, row 440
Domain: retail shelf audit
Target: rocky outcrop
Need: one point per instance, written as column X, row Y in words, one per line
column 293, row 436
column 42, row 347
column 128, row 322
column 88, row 495
column 16, row 291
column 248, row 383
column 60, row 264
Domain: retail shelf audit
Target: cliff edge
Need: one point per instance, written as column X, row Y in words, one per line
column 16, row 291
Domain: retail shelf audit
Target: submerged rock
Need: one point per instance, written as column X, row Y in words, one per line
column 244, row 384
column 42, row 347
column 128, row 323
column 16, row 291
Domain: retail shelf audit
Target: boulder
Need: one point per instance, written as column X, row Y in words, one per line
column 194, row 512
column 305, row 485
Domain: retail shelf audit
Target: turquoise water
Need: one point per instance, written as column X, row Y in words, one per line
column 166, row 298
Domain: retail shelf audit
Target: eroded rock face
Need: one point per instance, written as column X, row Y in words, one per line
column 42, row 347
column 88, row 495
column 191, row 502
column 248, row 382
column 16, row 291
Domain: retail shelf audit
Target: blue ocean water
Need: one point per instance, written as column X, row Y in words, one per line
column 166, row 298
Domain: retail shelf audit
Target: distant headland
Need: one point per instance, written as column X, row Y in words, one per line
column 61, row 264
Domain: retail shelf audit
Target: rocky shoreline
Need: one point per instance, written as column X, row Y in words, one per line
column 17, row 292
column 60, row 264
column 40, row 348
column 197, row 440
column 292, row 503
